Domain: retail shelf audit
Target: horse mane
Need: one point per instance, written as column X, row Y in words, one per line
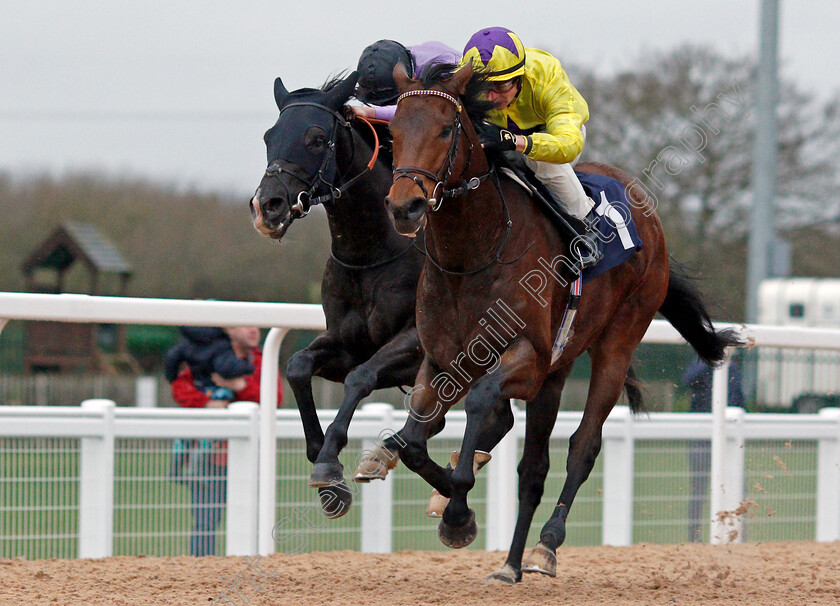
column 475, row 103
column 333, row 81
column 327, row 86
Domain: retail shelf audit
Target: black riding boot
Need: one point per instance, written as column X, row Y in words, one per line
column 585, row 247
column 583, row 242
column 579, row 234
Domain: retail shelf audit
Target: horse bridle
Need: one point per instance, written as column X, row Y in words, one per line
column 307, row 198
column 441, row 177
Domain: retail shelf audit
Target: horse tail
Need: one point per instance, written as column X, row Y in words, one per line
column 684, row 309
column 634, row 392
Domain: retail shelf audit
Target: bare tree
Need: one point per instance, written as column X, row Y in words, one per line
column 682, row 124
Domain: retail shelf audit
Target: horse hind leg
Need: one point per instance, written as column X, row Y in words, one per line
column 609, row 371
column 541, row 413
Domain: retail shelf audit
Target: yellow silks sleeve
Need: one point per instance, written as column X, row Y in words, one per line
column 549, row 107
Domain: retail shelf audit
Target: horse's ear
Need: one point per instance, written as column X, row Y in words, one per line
column 280, row 93
column 401, row 77
column 459, row 79
column 340, row 93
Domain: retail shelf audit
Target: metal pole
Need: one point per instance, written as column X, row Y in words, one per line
column 764, row 157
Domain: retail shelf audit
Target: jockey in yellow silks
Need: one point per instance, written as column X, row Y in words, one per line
column 536, row 103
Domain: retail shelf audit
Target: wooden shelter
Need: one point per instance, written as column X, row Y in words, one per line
column 66, row 346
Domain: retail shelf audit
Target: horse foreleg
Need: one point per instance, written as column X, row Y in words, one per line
column 491, row 435
column 426, row 418
column 516, row 376
column 394, row 364
column 300, row 369
column 541, row 413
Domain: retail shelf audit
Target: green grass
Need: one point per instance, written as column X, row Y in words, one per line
column 39, row 498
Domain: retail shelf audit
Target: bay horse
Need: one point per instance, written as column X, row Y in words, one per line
column 483, row 236
column 317, row 156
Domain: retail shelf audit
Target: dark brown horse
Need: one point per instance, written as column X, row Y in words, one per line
column 315, row 155
column 489, row 339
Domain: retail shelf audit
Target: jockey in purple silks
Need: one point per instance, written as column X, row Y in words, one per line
column 376, row 68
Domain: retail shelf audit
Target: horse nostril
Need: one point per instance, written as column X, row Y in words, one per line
column 417, row 208
column 255, row 210
column 271, row 213
column 411, row 211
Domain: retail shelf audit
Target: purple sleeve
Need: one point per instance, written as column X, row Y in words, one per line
column 423, row 54
column 432, row 51
column 386, row 112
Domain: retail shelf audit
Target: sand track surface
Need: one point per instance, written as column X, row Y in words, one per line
column 755, row 574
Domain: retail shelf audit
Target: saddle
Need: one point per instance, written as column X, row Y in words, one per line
column 513, row 165
column 615, row 225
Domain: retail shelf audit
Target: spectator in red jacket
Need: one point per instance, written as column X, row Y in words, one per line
column 206, row 463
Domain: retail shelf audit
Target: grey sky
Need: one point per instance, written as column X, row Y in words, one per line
column 181, row 91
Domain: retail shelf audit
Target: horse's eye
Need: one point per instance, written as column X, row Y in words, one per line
column 445, row 132
column 315, row 138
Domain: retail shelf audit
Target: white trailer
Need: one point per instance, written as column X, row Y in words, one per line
column 805, row 379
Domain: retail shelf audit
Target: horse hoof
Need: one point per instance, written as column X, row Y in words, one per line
column 375, row 464
column 326, row 474
column 457, row 537
column 542, row 560
column 437, row 503
column 335, row 500
column 506, row 575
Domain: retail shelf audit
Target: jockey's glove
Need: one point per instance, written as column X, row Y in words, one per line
column 495, row 139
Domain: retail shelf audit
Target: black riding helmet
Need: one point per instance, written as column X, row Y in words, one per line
column 376, row 72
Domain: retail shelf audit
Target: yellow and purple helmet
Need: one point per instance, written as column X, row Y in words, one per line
column 497, row 52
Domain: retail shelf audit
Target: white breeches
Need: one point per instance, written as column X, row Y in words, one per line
column 563, row 183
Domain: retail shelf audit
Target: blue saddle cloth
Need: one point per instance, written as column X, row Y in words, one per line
column 619, row 237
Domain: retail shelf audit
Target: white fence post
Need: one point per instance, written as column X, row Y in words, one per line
column 618, row 453
column 502, row 493
column 242, row 485
column 734, row 455
column 145, row 392
column 270, row 374
column 828, row 479
column 96, row 485
column 717, row 477
column 378, row 495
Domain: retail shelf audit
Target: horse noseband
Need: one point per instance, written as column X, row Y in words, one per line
column 442, row 176
column 307, row 199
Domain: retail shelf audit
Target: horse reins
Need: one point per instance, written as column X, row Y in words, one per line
column 305, row 200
